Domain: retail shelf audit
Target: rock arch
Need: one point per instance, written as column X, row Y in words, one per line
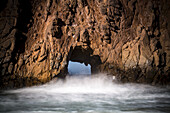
column 82, row 55
column 128, row 39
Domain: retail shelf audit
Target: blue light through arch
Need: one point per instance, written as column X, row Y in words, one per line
column 76, row 68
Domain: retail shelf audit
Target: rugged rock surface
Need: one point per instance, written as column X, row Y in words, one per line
column 125, row 38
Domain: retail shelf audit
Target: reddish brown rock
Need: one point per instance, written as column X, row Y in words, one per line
column 125, row 38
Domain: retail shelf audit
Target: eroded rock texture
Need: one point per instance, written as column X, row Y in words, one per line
column 125, row 38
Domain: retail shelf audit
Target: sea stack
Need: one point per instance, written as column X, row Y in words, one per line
column 129, row 39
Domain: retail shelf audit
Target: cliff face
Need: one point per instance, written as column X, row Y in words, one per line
column 125, row 38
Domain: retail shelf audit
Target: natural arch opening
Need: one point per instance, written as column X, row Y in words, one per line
column 85, row 56
column 76, row 68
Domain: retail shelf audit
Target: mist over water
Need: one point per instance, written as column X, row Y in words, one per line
column 86, row 94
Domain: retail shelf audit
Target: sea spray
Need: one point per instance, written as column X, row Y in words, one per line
column 82, row 94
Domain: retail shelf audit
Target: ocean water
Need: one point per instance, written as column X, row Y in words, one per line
column 86, row 94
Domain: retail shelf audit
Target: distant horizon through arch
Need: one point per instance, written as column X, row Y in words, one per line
column 77, row 68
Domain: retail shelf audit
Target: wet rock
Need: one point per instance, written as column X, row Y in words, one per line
column 2, row 54
column 10, row 68
column 7, row 59
column 20, row 61
column 7, row 44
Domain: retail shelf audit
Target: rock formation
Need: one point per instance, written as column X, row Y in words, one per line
column 125, row 38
